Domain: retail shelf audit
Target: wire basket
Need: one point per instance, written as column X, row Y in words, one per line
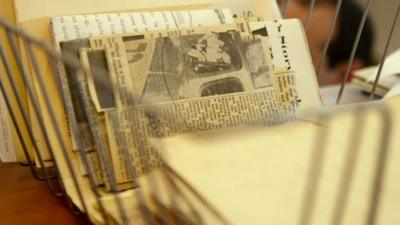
column 164, row 196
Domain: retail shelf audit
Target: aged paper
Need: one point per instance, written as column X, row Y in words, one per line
column 7, row 149
column 193, row 82
column 252, row 82
column 12, row 146
column 65, row 28
column 122, row 85
column 290, row 52
column 69, row 28
column 99, row 153
column 181, row 84
column 254, row 73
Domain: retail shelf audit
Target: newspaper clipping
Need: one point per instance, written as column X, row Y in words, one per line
column 158, row 84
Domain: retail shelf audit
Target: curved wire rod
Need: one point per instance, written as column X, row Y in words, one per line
column 36, row 71
column 309, row 14
column 25, row 121
column 284, row 8
column 66, row 59
column 330, row 35
column 71, row 61
column 378, row 75
column 353, row 51
column 207, row 204
column 313, row 179
column 381, row 164
column 17, row 128
column 350, row 163
column 317, row 161
column 36, row 108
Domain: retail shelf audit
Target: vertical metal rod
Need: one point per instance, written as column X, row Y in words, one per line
column 313, row 180
column 353, row 51
column 309, row 14
column 12, row 113
column 350, row 163
column 25, row 121
column 38, row 73
column 381, row 164
column 18, row 97
column 284, row 8
column 383, row 59
column 330, row 35
column 36, row 108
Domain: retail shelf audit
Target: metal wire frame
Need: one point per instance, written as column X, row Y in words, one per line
column 318, row 156
column 12, row 33
column 385, row 52
column 353, row 51
column 25, row 126
column 53, row 57
column 284, row 7
column 358, row 36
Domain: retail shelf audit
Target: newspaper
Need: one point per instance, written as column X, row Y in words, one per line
column 290, row 54
column 266, row 95
column 7, row 149
column 67, row 28
column 190, row 83
column 121, row 89
column 120, row 57
column 99, row 160
column 158, row 84
column 101, row 91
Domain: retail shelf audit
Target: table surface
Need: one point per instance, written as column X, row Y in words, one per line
column 25, row 201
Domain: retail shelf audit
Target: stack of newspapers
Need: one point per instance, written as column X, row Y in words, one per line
column 156, row 71
column 157, row 74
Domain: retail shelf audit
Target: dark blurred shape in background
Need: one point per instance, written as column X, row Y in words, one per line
column 333, row 69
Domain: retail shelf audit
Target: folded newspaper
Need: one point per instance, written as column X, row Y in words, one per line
column 180, row 74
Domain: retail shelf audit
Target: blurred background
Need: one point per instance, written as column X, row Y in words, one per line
column 372, row 42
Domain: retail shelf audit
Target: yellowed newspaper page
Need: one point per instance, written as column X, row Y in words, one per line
column 34, row 19
column 294, row 56
column 174, row 103
column 174, row 98
column 7, row 150
column 39, row 29
column 175, row 107
column 68, row 28
column 74, row 27
column 12, row 147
